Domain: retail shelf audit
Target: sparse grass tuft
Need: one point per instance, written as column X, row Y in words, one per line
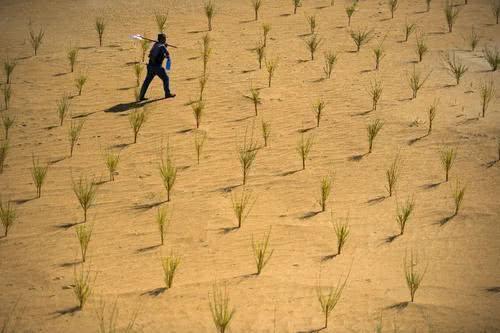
column 80, row 82
column 206, row 51
column 199, row 141
column 448, row 156
column 137, row 72
column 163, row 219
column 137, row 118
column 85, row 191
column 392, row 175
column 7, row 94
column 170, row 264
column 36, row 39
column 266, row 131
column 486, row 93
column 473, row 39
column 7, row 123
column 247, row 153
column 161, row 21
column 221, row 310
column 458, row 192
column 375, row 92
column 492, row 56
column 379, row 54
column 7, row 215
column 495, row 9
column 313, row 23
column 255, row 98
column 304, row 147
column 266, row 28
column 198, row 111
column 409, row 29
column 313, row 44
column 203, row 83
column 112, row 161
column 403, row 213
column 256, row 4
column 330, row 61
column 168, row 171
column 318, row 108
column 4, row 148
column 329, row 300
column 8, row 67
column 261, row 252
column 74, row 134
column 451, row 13
column 72, row 56
column 38, row 173
column 432, row 114
column 100, row 26
column 372, row 131
column 242, row 205
column 296, row 4
column 421, row 47
column 110, row 325
column 84, row 234
column 82, row 286
column 342, row 231
column 63, row 108
column 209, row 12
column 393, row 5
column 325, row 190
column 416, row 81
column 455, row 67
column 260, row 50
column 361, row 37
column 271, row 66
column 350, row 10
column 413, row 275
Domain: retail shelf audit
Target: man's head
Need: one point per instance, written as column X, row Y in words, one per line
column 162, row 38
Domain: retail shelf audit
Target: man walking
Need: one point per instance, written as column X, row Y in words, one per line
column 157, row 54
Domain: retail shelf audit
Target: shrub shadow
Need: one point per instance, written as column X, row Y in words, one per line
column 415, row 140
column 71, row 263
column 430, row 186
column 57, row 160
column 67, row 311
column 357, row 158
column 59, row 74
column 147, row 248
column 313, row 330
column 493, row 290
column 491, row 163
column 329, row 257
column 391, row 239
column 445, row 220
column 398, row 306
column 305, row 130
column 309, row 215
column 228, row 189
column 376, row 200
column 155, row 292
column 23, row 201
column 147, row 206
column 288, row 173
column 68, row 225
column 228, row 230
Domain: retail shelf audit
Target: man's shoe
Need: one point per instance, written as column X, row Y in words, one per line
column 170, row 96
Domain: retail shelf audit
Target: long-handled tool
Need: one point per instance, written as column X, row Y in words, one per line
column 141, row 37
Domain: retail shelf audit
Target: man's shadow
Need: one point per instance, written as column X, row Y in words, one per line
column 122, row 107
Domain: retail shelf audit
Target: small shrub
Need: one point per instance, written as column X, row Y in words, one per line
column 296, row 4
column 260, row 50
column 492, row 56
column 7, row 94
column 100, row 26
column 421, row 47
column 110, row 325
column 313, row 23
column 7, row 215
column 198, row 112
column 375, row 92
column 416, row 81
column 458, row 192
column 495, row 9
column 63, row 108
column 392, row 175
column 242, row 205
column 203, row 83
column 36, row 39
column 261, row 252
column 318, row 108
column 342, row 231
column 330, row 61
column 379, row 54
column 7, row 123
column 304, row 147
column 84, row 234
column 222, row 312
column 428, row 2
column 8, row 67
column 350, row 10
column 170, row 264
column 455, row 67
column 82, row 286
column 266, row 131
column 247, row 153
column 409, row 29
column 137, row 119
column 72, row 56
column 372, row 131
column 256, row 4
column 199, row 141
column 168, row 172
column 432, row 114
column 473, row 39
column 329, row 300
column 112, row 161
column 448, row 156
column 313, row 44
column 413, row 275
column 161, row 21
column 271, row 66
column 163, row 218
column 4, row 148
column 209, row 12
column 393, row 5
column 403, row 213
column 361, row 37
column 255, row 98
column 486, row 93
column 137, row 72
column 74, row 134
column 38, row 173
column 80, row 83
column 206, row 51
column 451, row 13
column 266, row 28
column 85, row 191
column 325, row 190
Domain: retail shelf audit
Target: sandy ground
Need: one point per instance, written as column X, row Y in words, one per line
column 37, row 259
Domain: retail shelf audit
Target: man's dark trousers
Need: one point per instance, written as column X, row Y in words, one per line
column 152, row 72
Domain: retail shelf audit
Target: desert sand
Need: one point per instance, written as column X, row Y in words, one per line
column 38, row 258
